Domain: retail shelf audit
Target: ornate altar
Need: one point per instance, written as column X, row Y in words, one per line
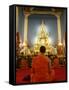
column 43, row 39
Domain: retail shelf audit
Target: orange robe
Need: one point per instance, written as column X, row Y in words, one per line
column 56, row 63
column 41, row 70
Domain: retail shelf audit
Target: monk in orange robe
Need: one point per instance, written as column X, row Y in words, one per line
column 41, row 68
column 56, row 62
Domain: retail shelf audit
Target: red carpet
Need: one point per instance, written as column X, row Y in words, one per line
column 20, row 74
column 60, row 75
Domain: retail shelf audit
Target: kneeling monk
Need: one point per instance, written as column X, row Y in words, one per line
column 41, row 68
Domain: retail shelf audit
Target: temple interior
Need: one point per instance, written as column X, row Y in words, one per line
column 31, row 42
column 36, row 27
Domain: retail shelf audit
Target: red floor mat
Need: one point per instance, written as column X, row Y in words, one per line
column 60, row 75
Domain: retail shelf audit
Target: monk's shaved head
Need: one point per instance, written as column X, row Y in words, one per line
column 42, row 49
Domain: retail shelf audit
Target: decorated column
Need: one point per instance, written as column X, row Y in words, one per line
column 25, row 28
column 16, row 19
column 59, row 29
column 60, row 48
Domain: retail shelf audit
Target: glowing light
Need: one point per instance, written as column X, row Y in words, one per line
column 20, row 45
column 43, row 27
column 50, row 40
column 43, row 41
column 24, row 44
column 64, row 43
column 36, row 40
column 60, row 44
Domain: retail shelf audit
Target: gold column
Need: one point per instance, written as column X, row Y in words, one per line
column 16, row 19
column 25, row 29
column 59, row 28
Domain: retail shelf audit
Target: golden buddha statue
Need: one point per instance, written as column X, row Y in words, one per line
column 42, row 39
